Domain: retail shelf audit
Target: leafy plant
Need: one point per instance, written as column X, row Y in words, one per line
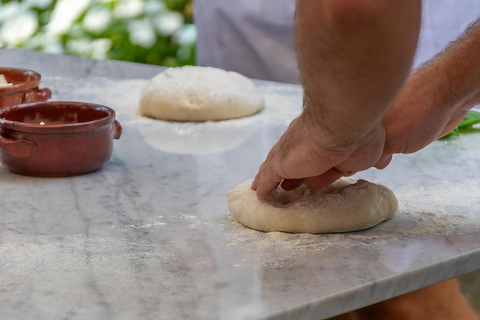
column 157, row 32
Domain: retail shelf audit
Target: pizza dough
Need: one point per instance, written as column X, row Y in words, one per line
column 346, row 205
column 199, row 94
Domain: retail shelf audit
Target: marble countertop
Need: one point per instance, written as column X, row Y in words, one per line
column 149, row 237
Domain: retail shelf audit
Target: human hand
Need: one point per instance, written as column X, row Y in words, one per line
column 304, row 151
column 353, row 61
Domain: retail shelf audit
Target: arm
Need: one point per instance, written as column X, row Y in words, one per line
column 436, row 97
column 354, row 56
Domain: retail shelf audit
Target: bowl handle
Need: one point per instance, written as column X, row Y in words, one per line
column 117, row 130
column 20, row 148
column 37, row 95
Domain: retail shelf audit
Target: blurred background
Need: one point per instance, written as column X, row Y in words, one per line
column 159, row 32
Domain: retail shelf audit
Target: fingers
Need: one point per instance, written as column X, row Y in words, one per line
column 325, row 179
column 291, row 184
column 254, row 185
column 266, row 165
column 294, row 158
column 317, row 182
column 267, row 181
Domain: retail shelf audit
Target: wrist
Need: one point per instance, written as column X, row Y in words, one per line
column 333, row 130
column 336, row 136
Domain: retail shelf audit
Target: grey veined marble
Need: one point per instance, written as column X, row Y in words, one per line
column 148, row 236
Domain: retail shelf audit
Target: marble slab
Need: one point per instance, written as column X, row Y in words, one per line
column 149, row 237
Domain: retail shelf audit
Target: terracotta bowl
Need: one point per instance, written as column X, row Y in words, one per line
column 57, row 138
column 24, row 88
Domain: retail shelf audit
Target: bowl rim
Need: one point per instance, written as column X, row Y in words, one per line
column 22, row 86
column 64, row 128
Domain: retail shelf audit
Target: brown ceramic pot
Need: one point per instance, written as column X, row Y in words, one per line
column 24, row 88
column 57, row 138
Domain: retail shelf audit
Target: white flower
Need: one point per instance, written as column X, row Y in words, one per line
column 168, row 23
column 152, row 7
column 97, row 48
column 100, row 48
column 187, row 35
column 64, row 14
column 97, row 20
column 142, row 33
column 128, row 9
column 18, row 29
column 78, row 46
column 9, row 9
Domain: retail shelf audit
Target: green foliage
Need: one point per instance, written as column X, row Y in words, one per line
column 466, row 125
column 182, row 6
column 159, row 32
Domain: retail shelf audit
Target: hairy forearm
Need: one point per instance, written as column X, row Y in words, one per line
column 454, row 73
column 354, row 57
column 436, row 97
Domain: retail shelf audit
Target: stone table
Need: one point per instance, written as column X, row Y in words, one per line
column 148, row 236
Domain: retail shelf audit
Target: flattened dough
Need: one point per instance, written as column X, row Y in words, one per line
column 199, row 94
column 346, row 205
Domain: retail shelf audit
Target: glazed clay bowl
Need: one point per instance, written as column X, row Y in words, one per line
column 57, row 138
column 24, row 88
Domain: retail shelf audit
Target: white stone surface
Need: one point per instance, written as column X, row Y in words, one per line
column 148, row 236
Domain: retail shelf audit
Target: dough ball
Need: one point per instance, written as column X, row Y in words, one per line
column 199, row 94
column 346, row 205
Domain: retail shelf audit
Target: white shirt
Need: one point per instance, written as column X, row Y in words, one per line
column 256, row 37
